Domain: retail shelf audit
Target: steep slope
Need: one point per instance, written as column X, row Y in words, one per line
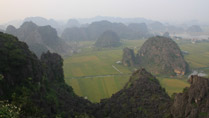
column 142, row 97
column 194, row 101
column 108, row 39
column 44, row 37
column 161, row 55
column 37, row 87
column 128, row 57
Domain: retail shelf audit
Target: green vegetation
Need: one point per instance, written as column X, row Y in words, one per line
column 203, row 114
column 82, row 71
column 91, row 72
column 1, row 77
column 91, row 61
column 173, row 85
column 98, row 87
column 198, row 54
column 8, row 110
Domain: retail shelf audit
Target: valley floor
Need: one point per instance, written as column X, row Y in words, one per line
column 94, row 74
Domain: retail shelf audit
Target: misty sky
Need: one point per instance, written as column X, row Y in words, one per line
column 162, row 10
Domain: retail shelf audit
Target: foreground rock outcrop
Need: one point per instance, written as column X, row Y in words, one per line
column 142, row 97
column 35, row 86
column 194, row 101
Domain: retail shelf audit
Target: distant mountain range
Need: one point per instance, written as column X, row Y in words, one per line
column 77, row 22
column 95, row 29
column 39, row 38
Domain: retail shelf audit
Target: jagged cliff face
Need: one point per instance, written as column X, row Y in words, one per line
column 43, row 37
column 17, row 61
column 194, row 101
column 128, row 57
column 142, row 97
column 108, row 39
column 161, row 55
column 54, row 63
column 36, row 86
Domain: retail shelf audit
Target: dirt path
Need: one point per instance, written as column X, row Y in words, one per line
column 93, row 76
column 117, row 69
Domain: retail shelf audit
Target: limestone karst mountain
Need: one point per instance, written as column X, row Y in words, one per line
column 95, row 29
column 128, row 57
column 35, row 86
column 142, row 97
column 108, row 39
column 39, row 38
column 161, row 55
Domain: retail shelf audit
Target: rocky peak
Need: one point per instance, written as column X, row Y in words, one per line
column 11, row 30
column 43, row 37
column 28, row 26
column 48, row 31
column 53, row 65
column 128, row 57
column 35, row 86
column 142, row 97
column 161, row 55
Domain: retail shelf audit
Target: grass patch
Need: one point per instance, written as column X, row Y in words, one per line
column 99, row 87
column 173, row 85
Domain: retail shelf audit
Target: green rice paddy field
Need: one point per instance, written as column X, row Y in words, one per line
column 92, row 75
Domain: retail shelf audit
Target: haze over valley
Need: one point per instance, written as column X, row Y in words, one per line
column 104, row 59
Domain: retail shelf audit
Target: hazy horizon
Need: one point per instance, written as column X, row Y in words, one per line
column 161, row 10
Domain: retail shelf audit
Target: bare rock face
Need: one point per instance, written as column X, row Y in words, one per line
column 161, row 55
column 194, row 101
column 128, row 57
column 54, row 63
